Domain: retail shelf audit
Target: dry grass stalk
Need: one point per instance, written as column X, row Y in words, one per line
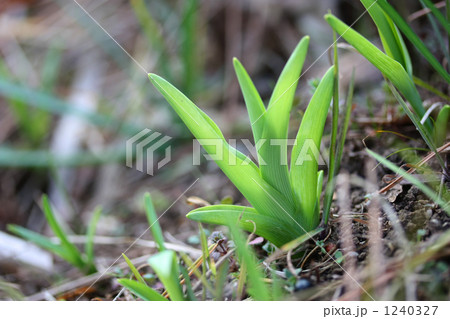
column 377, row 262
column 345, row 229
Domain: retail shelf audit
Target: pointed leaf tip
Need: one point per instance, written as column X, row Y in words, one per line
column 154, row 77
column 236, row 63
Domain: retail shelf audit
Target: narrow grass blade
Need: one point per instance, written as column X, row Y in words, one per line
column 89, row 247
column 70, row 248
column 417, row 123
column 205, row 252
column 187, row 280
column 52, row 104
column 205, row 255
column 51, row 67
column 430, row 88
column 189, row 47
column 153, row 222
column 133, row 269
column 388, row 66
column 346, row 121
column 304, row 159
column 390, row 36
column 425, row 189
column 194, row 269
column 242, row 278
column 447, row 9
column 276, row 122
column 278, row 291
column 142, row 291
column 255, row 278
column 437, row 33
column 300, row 240
column 332, row 169
column 415, row 40
column 439, row 16
column 39, row 240
column 244, row 174
column 253, row 101
column 14, row 157
column 166, row 267
column 11, row 291
column 319, row 185
column 442, row 125
column 329, row 190
column 222, row 273
column 276, row 231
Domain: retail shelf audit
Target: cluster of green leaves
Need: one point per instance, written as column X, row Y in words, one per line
column 65, row 248
column 172, row 273
column 285, row 200
column 395, row 63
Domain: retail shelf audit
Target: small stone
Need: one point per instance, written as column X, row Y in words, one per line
column 302, row 284
column 362, row 256
column 436, row 223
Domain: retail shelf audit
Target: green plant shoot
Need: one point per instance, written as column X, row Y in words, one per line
column 285, row 200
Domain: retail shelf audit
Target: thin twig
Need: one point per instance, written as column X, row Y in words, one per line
column 443, row 149
column 105, row 240
column 424, row 11
column 80, row 282
column 312, row 251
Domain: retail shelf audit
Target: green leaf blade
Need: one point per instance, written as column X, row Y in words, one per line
column 276, row 231
column 257, row 288
column 253, row 101
column 166, row 267
column 142, row 291
column 39, row 240
column 133, row 269
column 442, row 125
column 89, row 246
column 439, row 16
column 390, row 36
column 69, row 248
column 153, row 222
column 304, row 165
column 413, row 38
column 388, row 66
column 276, row 122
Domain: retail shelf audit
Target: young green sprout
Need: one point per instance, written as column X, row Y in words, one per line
column 65, row 248
column 285, row 200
